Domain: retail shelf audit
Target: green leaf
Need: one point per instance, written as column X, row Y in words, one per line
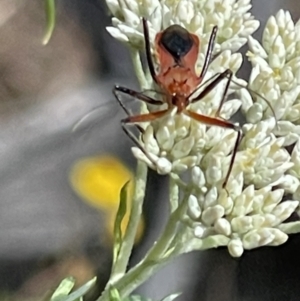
column 171, row 297
column 77, row 295
column 50, row 17
column 63, row 289
column 118, row 238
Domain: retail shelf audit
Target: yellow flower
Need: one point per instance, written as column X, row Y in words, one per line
column 98, row 181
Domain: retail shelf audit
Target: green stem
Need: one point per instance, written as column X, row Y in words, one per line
column 153, row 261
column 138, row 69
column 174, row 194
column 160, row 247
column 178, row 239
column 133, row 279
column 120, row 266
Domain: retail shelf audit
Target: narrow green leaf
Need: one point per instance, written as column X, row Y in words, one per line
column 63, row 289
column 171, row 297
column 168, row 253
column 50, row 17
column 118, row 221
column 76, row 296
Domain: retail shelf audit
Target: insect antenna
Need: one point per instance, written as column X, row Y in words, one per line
column 89, row 114
column 209, row 54
column 258, row 95
column 213, row 77
column 210, row 57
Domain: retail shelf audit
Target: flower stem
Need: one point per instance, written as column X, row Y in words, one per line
column 120, row 266
column 154, row 259
column 138, row 68
column 174, row 194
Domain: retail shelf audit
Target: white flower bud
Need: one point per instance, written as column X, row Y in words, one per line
column 198, row 177
column 113, row 6
column 285, row 209
column 255, row 113
column 256, row 48
column 199, row 231
column 150, row 142
column 235, row 248
column 138, row 153
column 164, row 166
column 241, row 224
column 211, row 214
column 270, row 33
column 222, row 226
column 185, row 11
column 211, row 198
column 117, row 34
column 183, row 147
column 226, row 202
column 279, row 237
column 194, row 210
column 257, row 238
column 165, row 138
column 131, row 18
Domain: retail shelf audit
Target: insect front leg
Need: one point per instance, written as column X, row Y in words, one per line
column 134, row 94
column 138, row 95
column 141, row 118
column 224, row 124
column 134, row 119
column 227, row 74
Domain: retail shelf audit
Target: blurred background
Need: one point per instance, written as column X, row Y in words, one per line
column 56, row 204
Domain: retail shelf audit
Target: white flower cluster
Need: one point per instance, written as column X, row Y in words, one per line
column 276, row 76
column 234, row 21
column 251, row 212
column 248, row 218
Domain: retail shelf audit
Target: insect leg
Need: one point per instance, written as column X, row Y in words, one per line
column 226, row 74
column 141, row 118
column 257, row 95
column 145, row 117
column 137, row 118
column 135, row 94
column 209, row 51
column 139, row 95
column 221, row 123
column 148, row 50
column 229, row 76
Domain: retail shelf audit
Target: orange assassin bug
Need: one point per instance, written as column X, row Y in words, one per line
column 177, row 51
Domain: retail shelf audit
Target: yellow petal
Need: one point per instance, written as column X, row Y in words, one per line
column 98, row 180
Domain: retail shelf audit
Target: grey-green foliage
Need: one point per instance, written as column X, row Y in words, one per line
column 63, row 292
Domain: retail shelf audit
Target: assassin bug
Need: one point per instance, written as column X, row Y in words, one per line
column 177, row 51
